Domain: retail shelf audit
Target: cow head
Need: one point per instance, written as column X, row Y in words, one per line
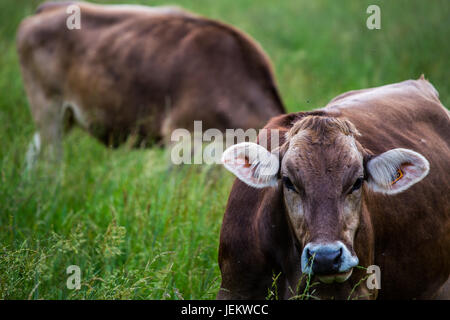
column 323, row 173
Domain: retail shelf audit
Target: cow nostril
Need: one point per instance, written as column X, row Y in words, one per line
column 325, row 259
column 308, row 254
column 338, row 257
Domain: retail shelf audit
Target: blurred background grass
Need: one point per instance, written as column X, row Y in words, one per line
column 139, row 229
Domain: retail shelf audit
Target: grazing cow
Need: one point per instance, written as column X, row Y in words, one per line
column 141, row 72
column 364, row 181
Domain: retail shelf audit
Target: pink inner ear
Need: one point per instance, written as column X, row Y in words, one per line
column 242, row 167
column 410, row 174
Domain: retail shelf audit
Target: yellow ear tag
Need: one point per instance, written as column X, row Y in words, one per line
column 398, row 176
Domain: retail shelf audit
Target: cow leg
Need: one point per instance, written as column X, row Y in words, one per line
column 33, row 151
column 46, row 142
column 49, row 116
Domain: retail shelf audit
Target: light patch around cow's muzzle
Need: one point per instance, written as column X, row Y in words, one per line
column 330, row 262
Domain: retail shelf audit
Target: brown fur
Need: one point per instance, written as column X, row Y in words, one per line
column 138, row 73
column 406, row 235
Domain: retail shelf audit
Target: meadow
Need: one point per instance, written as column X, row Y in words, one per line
column 139, row 228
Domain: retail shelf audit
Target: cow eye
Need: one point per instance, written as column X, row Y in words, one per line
column 288, row 183
column 357, row 185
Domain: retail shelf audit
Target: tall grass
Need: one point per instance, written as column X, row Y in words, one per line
column 141, row 229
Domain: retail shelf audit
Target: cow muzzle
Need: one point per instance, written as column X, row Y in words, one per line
column 330, row 262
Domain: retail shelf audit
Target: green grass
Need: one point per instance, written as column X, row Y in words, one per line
column 139, row 229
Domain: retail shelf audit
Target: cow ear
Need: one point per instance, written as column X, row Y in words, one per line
column 252, row 164
column 396, row 170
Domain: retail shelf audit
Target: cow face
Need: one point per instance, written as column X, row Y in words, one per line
column 323, row 173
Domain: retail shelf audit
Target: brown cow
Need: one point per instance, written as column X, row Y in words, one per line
column 364, row 182
column 140, row 71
